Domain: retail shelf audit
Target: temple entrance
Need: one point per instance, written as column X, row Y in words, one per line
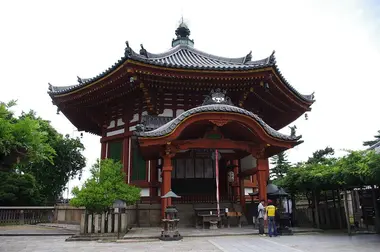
column 194, row 178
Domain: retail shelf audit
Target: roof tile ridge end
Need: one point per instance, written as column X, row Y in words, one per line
column 239, row 60
column 165, row 54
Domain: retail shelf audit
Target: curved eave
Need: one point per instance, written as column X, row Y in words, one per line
column 170, row 127
column 231, row 67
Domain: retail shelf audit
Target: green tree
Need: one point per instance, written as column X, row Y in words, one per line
column 21, row 140
column 18, row 189
column 281, row 165
column 68, row 163
column 372, row 142
column 35, row 160
column 106, row 184
column 321, row 156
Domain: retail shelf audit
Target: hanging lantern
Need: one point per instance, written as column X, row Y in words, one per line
column 231, row 176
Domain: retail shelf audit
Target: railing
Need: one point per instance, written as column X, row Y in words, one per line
column 26, row 215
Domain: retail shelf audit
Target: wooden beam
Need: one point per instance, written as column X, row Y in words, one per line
column 215, row 144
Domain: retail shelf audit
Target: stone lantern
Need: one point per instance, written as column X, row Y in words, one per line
column 170, row 222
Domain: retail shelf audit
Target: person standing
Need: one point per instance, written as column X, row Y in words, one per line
column 271, row 213
column 260, row 217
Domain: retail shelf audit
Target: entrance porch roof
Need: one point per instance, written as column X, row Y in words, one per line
column 169, row 127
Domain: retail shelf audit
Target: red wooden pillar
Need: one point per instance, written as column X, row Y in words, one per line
column 103, row 154
column 262, row 177
column 241, row 186
column 153, row 178
column 236, row 179
column 126, row 157
column 166, row 182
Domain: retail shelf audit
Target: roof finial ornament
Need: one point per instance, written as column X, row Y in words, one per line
column 293, row 130
column 143, row 51
column 248, row 57
column 312, row 95
column 182, row 32
column 50, row 87
column 80, row 81
column 128, row 49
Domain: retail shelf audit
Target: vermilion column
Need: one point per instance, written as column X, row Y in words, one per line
column 166, row 182
column 153, row 178
column 236, row 179
column 103, row 151
column 241, row 186
column 262, row 178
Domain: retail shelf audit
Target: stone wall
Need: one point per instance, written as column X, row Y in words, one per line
column 68, row 214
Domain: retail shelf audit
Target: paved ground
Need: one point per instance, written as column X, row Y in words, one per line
column 35, row 230
column 141, row 233
column 296, row 243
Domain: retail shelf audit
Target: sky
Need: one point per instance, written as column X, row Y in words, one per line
column 328, row 47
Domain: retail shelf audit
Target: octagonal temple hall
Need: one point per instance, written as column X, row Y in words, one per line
column 164, row 115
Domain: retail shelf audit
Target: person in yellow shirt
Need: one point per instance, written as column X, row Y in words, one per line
column 271, row 213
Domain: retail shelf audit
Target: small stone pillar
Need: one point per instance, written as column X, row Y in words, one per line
column 96, row 224
column 110, row 221
column 103, row 223
column 116, row 221
column 83, row 228
column 89, row 224
column 123, row 224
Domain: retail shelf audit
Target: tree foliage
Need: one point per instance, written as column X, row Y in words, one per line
column 67, row 163
column 106, row 184
column 357, row 168
column 281, row 165
column 18, row 189
column 372, row 142
column 321, row 156
column 21, row 139
column 35, row 160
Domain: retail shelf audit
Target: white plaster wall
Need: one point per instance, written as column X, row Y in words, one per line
column 120, row 122
column 115, row 132
column 132, row 128
column 167, row 112
column 145, row 192
column 135, row 118
column 179, row 111
column 112, row 124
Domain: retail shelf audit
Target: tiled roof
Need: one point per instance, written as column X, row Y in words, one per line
column 375, row 147
column 169, row 127
column 185, row 57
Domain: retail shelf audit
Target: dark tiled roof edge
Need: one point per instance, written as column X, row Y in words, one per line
column 185, row 57
column 171, row 125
